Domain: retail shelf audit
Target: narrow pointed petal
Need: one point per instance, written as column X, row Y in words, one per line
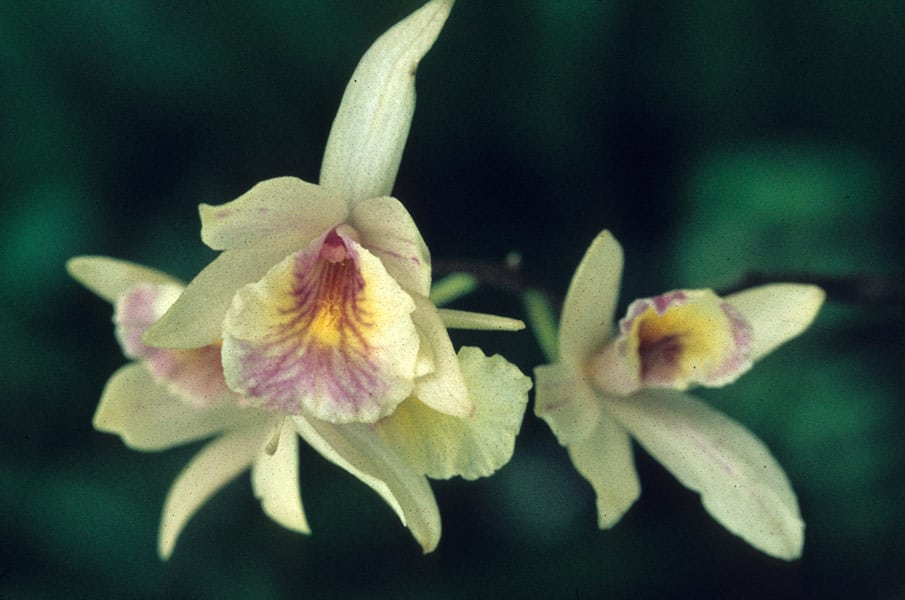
column 444, row 387
column 442, row 446
column 109, row 278
column 741, row 484
column 777, row 313
column 326, row 332
column 358, row 449
column 462, row 319
column 388, row 231
column 275, row 480
column 213, row 467
column 566, row 402
column 196, row 319
column 148, row 417
column 590, row 304
column 368, row 135
column 605, row 459
column 284, row 211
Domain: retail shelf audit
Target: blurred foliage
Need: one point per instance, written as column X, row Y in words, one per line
column 712, row 138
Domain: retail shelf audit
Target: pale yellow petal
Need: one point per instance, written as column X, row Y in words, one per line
column 358, row 449
column 443, row 388
column 368, row 135
column 741, row 484
column 284, row 211
column 109, row 278
column 213, row 467
column 442, row 446
column 590, row 304
column 196, row 319
column 605, row 459
column 463, row 319
column 388, row 231
column 777, row 313
column 275, row 479
column 566, row 402
column 148, row 417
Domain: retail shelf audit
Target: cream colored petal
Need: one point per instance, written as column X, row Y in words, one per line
column 217, row 464
column 358, row 449
column 388, row 231
column 777, row 313
column 590, row 304
column 463, row 319
column 109, row 277
column 275, row 480
column 741, row 484
column 566, row 402
column 372, row 124
column 442, row 446
column 147, row 417
column 605, row 459
column 444, row 388
column 196, row 319
column 284, row 211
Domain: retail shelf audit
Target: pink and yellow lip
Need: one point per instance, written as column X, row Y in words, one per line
column 676, row 340
column 327, row 332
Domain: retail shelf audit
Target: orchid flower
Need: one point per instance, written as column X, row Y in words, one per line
column 613, row 383
column 318, row 309
column 171, row 397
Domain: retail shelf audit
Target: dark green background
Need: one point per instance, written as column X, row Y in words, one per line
column 712, row 138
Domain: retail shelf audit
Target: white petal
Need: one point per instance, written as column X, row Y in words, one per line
column 566, row 402
column 216, row 465
column 196, row 319
column 109, row 277
column 148, row 417
column 777, row 313
column 463, row 319
column 741, row 484
column 357, row 449
column 590, row 304
column 442, row 446
column 388, row 231
column 605, row 459
column 444, row 388
column 284, row 211
column 372, row 124
column 275, row 480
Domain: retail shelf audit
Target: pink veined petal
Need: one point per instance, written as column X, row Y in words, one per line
column 388, row 231
column 217, row 464
column 109, row 277
column 148, row 417
column 369, row 133
column 590, row 304
column 741, row 484
column 285, row 212
column 777, row 313
column 358, row 449
column 196, row 319
column 326, row 332
column 275, row 479
column 194, row 375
